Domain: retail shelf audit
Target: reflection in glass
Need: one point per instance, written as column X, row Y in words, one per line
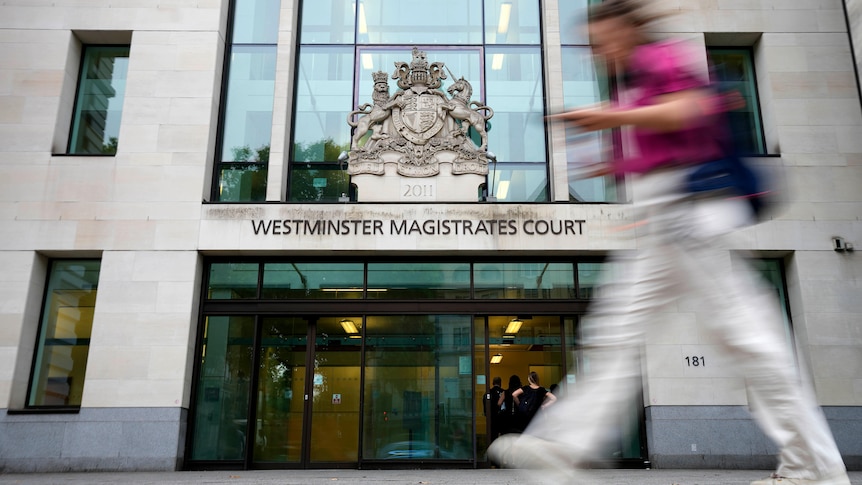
column 585, row 84
column 232, row 281
column 515, row 92
column 527, row 182
column 409, row 23
column 419, row 281
column 329, row 22
column 281, row 387
column 256, row 21
column 321, row 281
column 242, row 182
column 99, row 104
column 248, row 115
column 318, row 182
column 573, row 22
column 221, row 412
column 336, row 393
column 590, row 278
column 512, row 22
column 64, row 334
column 463, row 62
column 733, row 69
column 524, row 281
column 324, row 98
column 418, row 391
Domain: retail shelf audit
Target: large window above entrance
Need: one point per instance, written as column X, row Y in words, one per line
column 494, row 44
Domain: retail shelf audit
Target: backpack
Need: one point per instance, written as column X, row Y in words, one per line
column 530, row 401
column 733, row 174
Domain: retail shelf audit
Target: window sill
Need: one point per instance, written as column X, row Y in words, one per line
column 56, row 410
column 99, row 155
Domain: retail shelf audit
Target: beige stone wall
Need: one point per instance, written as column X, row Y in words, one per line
column 138, row 210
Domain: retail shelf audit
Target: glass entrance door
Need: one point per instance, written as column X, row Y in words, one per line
column 517, row 346
column 418, row 394
column 308, row 397
column 281, row 390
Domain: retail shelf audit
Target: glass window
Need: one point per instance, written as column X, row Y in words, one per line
column 233, row 281
column 329, row 22
column 516, row 93
column 247, row 124
column 64, row 334
column 99, row 103
column 590, row 277
column 319, row 183
column 522, row 182
column 313, row 280
column 256, row 21
column 242, row 181
column 461, row 62
column 733, row 70
column 512, row 22
column 419, row 280
column 324, row 98
column 585, row 83
column 573, row 21
column 246, row 128
column 248, row 115
column 524, row 281
column 223, row 387
column 410, row 22
column 418, row 392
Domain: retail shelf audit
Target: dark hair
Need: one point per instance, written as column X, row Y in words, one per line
column 629, row 10
column 497, row 381
column 514, row 382
column 533, row 378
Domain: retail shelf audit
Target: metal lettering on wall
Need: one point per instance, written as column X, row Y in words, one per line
column 419, row 122
column 426, row 227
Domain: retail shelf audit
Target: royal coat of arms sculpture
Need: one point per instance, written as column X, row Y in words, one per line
column 419, row 126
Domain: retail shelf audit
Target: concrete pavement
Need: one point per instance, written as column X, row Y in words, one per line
column 390, row 477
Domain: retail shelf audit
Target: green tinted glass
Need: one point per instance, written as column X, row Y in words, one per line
column 64, row 334
column 419, row 280
column 222, row 406
column 733, row 70
column 317, row 281
column 233, row 281
column 319, row 183
column 418, row 371
column 524, row 281
column 241, row 182
column 590, row 276
column 99, row 104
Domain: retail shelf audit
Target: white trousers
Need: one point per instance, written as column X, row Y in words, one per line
column 682, row 249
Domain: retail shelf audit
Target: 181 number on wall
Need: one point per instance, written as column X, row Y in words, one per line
column 695, row 361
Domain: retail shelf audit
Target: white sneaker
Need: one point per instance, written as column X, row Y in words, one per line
column 524, row 451
column 839, row 479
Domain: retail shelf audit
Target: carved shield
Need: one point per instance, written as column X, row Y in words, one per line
column 419, row 120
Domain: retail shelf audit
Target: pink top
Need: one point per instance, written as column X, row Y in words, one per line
column 661, row 68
